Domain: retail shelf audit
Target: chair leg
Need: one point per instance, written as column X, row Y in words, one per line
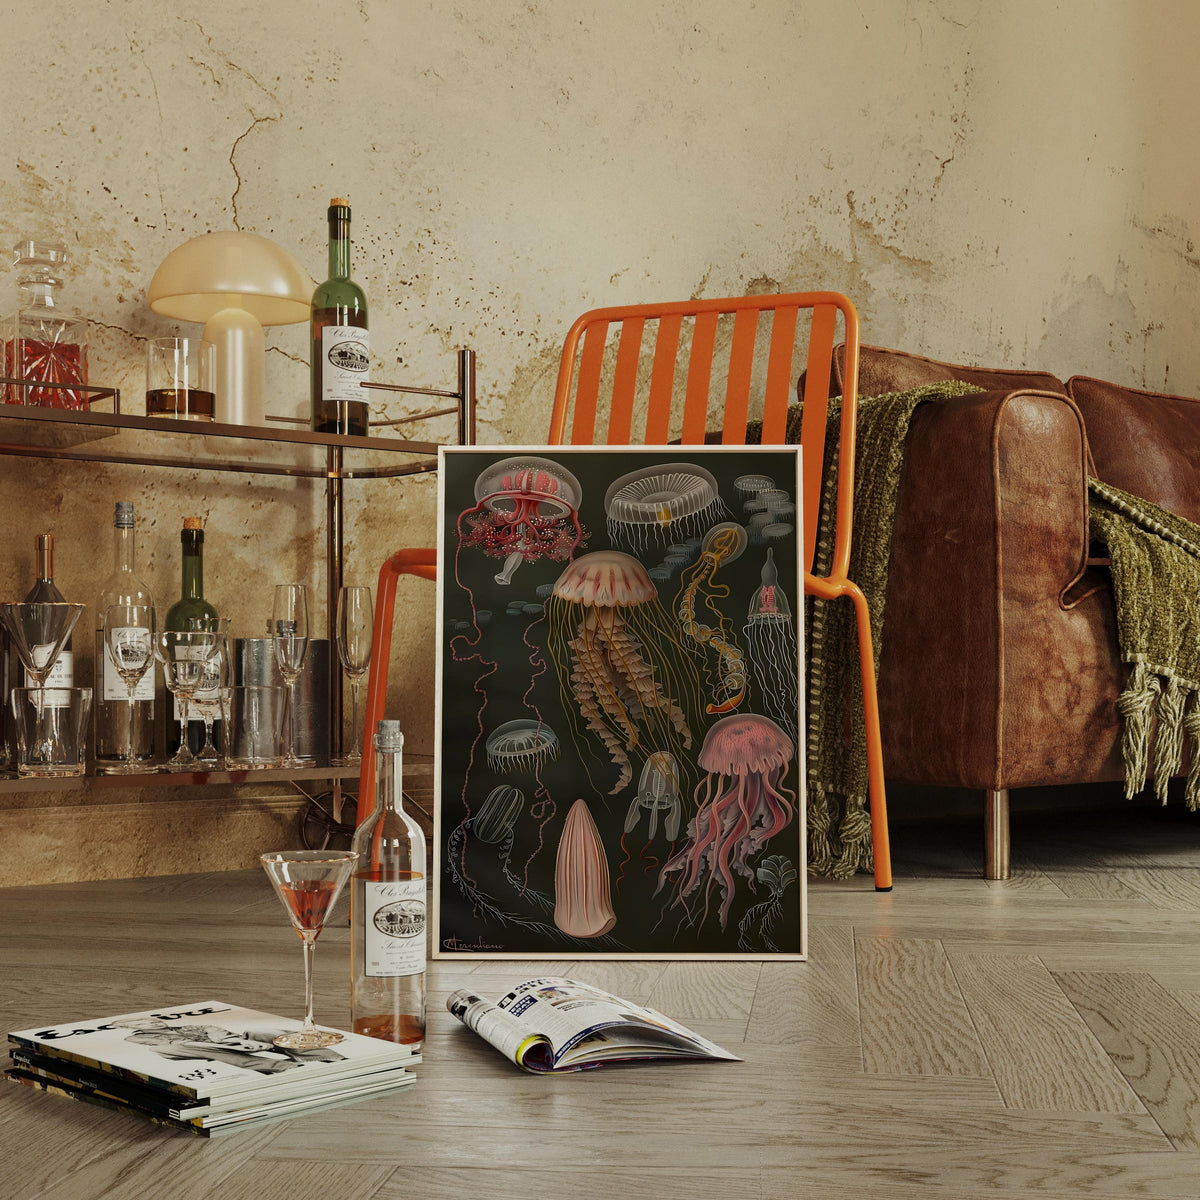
column 996, row 835
column 880, row 844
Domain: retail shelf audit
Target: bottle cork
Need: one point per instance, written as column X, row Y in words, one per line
column 193, row 522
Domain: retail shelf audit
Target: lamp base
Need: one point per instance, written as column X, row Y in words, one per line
column 241, row 371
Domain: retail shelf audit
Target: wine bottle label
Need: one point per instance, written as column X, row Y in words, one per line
column 346, row 362
column 394, row 918
column 62, row 675
column 114, row 686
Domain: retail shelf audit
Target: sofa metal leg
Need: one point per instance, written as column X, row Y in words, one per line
column 996, row 843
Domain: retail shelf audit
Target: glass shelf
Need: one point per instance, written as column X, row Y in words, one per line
column 168, row 779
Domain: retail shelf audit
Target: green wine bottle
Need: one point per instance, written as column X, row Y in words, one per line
column 341, row 349
column 191, row 605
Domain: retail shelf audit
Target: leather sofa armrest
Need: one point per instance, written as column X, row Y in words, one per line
column 990, row 535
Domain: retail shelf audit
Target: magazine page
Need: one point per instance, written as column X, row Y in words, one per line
column 204, row 1049
column 574, row 1024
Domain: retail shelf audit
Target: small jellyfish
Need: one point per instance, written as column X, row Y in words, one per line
column 658, row 791
column 583, row 896
column 652, row 504
column 778, row 874
column 771, row 639
column 748, row 486
column 521, row 745
column 496, row 818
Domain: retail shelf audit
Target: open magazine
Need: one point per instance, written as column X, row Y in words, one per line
column 559, row 1025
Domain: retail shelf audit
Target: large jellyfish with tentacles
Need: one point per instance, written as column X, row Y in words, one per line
column 526, row 508
column 695, row 605
column 741, row 806
column 657, row 502
column 771, row 638
column 618, row 664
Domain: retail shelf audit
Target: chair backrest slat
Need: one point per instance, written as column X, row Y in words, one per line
column 695, row 404
column 662, row 380
column 812, row 424
column 588, row 390
column 741, row 367
column 778, row 389
column 629, row 346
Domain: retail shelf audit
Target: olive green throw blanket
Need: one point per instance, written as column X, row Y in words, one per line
column 1154, row 557
column 839, row 823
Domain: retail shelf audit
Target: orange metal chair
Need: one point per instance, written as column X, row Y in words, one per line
column 629, row 383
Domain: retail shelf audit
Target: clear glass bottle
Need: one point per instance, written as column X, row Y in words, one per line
column 387, row 908
column 43, row 342
column 190, row 605
column 110, row 697
column 341, row 348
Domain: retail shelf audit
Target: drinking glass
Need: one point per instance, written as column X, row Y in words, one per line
column 38, row 631
column 184, row 657
column 207, row 700
column 129, row 641
column 289, row 633
column 308, row 883
column 355, row 628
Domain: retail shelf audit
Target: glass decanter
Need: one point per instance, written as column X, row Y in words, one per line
column 43, row 342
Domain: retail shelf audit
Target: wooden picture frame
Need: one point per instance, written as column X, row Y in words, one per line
column 618, row 766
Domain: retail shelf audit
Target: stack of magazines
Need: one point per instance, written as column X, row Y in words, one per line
column 208, row 1067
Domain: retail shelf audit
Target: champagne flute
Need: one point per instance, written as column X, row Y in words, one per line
column 355, row 628
column 184, row 657
column 289, row 633
column 207, row 700
column 129, row 643
column 308, row 883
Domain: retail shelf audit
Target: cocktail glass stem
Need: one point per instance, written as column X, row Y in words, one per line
column 309, row 938
column 290, row 757
column 130, row 688
column 183, row 757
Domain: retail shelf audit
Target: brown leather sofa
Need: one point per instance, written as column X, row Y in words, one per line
column 999, row 666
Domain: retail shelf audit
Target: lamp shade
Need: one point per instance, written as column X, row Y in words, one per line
column 235, row 283
column 231, row 270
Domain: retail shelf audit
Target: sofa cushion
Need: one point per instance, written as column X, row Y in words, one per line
column 1147, row 443
column 881, row 370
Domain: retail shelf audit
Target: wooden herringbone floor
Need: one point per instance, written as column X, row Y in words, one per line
column 956, row 1038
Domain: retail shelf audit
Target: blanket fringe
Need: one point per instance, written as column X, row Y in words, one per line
column 1191, row 722
column 1168, row 738
column 1136, row 705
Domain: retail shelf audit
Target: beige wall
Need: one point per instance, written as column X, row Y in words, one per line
column 1006, row 182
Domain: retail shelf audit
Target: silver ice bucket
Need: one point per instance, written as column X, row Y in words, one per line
column 254, row 663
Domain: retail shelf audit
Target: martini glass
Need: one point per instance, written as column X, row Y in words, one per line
column 129, row 638
column 39, row 630
column 308, row 882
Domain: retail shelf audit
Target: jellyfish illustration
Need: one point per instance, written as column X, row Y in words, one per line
column 724, row 543
column 741, row 806
column 749, row 486
column 521, row 745
column 778, row 874
column 616, row 658
column 495, row 824
column 654, row 503
column 771, row 638
column 583, row 899
column 657, row 792
column 526, row 508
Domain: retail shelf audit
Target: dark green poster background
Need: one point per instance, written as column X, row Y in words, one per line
column 618, row 763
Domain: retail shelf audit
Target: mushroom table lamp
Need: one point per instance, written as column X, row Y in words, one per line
column 235, row 283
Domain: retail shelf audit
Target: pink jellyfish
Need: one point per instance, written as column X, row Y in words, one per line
column 741, row 806
column 525, row 508
column 617, row 659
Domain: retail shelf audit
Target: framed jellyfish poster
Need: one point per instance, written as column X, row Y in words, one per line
column 618, row 762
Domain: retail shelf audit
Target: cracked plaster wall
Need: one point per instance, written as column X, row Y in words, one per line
column 1005, row 183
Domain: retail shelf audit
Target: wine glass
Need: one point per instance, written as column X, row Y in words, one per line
column 207, row 699
column 129, row 643
column 39, row 630
column 308, row 882
column 289, row 632
column 355, row 628
column 184, row 656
